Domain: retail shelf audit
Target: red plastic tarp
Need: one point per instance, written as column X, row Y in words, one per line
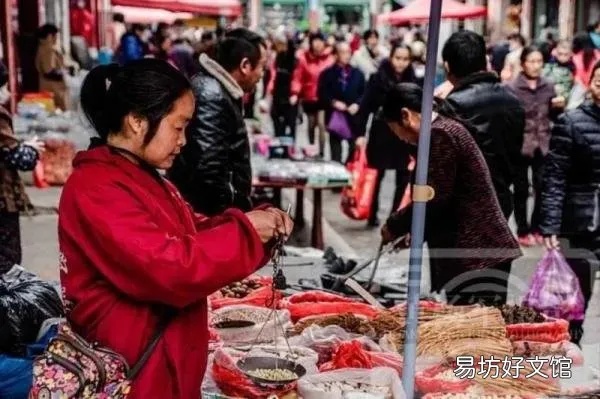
column 225, row 8
column 418, row 11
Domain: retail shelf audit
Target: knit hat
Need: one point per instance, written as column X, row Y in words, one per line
column 3, row 74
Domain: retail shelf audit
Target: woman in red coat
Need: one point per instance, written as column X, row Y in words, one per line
column 131, row 248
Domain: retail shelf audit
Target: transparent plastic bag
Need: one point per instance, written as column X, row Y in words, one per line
column 554, row 289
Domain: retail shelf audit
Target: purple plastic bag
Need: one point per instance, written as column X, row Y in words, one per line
column 338, row 125
column 554, row 289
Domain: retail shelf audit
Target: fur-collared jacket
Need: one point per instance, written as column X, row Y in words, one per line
column 213, row 171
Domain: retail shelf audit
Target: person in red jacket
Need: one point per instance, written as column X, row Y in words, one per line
column 131, row 249
column 305, row 82
column 82, row 22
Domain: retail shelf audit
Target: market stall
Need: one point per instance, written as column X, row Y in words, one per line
column 326, row 345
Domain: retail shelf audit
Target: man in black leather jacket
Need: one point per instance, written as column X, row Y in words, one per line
column 494, row 116
column 213, row 171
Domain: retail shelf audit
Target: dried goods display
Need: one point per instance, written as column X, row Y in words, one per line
column 476, row 347
column 240, row 289
column 435, row 335
column 388, row 322
column 472, row 396
column 347, row 321
column 515, row 314
column 528, row 382
column 275, row 375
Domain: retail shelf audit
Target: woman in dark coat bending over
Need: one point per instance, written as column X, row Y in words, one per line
column 470, row 244
column 384, row 150
column 571, row 191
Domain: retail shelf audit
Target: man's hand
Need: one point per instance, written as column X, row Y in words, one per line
column 361, row 142
column 353, row 109
column 551, row 242
column 340, row 106
column 559, row 102
column 293, row 100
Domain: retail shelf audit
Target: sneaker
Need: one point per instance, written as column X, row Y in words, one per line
column 527, row 241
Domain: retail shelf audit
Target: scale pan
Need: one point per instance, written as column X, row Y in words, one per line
column 250, row 364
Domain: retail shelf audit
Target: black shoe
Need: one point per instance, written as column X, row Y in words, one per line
column 373, row 223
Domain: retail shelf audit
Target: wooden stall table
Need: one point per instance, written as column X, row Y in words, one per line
column 317, row 189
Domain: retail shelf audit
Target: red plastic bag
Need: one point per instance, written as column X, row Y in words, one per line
column 552, row 331
column 233, row 382
column 38, row 176
column 314, row 296
column 301, row 310
column 260, row 297
column 554, row 289
column 357, row 199
column 352, row 354
column 431, row 381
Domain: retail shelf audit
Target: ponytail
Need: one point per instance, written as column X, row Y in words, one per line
column 94, row 99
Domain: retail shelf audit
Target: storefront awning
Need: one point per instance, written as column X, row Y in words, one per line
column 420, row 10
column 148, row 15
column 224, row 8
column 345, row 3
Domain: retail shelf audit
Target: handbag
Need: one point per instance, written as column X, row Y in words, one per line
column 72, row 368
column 357, row 199
column 338, row 125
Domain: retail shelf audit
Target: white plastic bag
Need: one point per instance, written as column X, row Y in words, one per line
column 313, row 386
column 258, row 315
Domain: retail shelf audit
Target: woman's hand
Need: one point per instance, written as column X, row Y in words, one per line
column 559, row 102
column 361, row 142
column 353, row 109
column 36, row 143
column 270, row 223
column 340, row 106
column 293, row 100
column 551, row 242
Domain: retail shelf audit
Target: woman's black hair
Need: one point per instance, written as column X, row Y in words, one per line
column 147, row 88
column 409, row 73
column 527, row 51
column 410, row 96
column 46, row 30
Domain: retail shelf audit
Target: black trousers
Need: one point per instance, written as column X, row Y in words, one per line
column 488, row 287
column 284, row 118
column 583, row 256
column 521, row 193
column 335, row 145
column 10, row 241
column 402, row 181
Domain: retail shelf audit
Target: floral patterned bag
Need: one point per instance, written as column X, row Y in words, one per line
column 72, row 368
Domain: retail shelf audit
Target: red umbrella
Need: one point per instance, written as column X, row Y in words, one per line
column 418, row 11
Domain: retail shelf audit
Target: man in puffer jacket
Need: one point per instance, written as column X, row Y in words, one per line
column 213, row 171
column 488, row 110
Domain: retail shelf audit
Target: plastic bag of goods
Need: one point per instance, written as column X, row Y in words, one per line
column 441, row 378
column 314, row 297
column 243, row 323
column 377, row 383
column 253, row 290
column 233, row 382
column 352, row 354
column 551, row 331
column 554, row 289
column 25, row 303
column 305, row 309
column 325, row 340
column 348, row 321
column 57, row 159
column 529, row 349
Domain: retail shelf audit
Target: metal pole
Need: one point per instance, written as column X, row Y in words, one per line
column 418, row 221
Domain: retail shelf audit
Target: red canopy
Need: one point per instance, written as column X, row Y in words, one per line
column 418, row 11
column 225, row 8
column 150, row 15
